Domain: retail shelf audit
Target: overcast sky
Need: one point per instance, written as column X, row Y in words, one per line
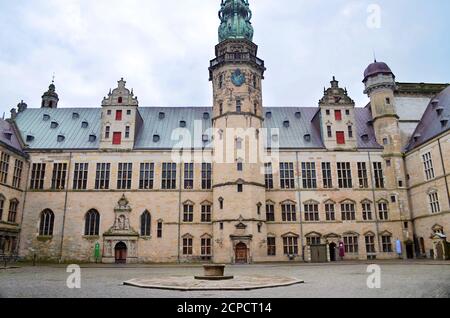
column 163, row 48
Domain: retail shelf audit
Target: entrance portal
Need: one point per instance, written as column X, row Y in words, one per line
column 121, row 251
column 241, row 253
column 332, row 248
column 410, row 250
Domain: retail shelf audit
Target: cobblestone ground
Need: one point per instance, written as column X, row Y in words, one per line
column 323, row 281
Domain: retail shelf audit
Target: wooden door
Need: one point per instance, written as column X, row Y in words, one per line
column 121, row 253
column 241, row 253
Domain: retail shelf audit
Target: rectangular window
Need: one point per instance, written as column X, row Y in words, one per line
column 350, row 131
column 169, row 176
column 270, row 213
column 127, row 132
column 338, row 115
column 118, row 115
column 311, row 212
column 289, row 213
column 330, row 212
column 434, row 202
column 329, row 131
column 206, row 213
column 102, row 176
column 80, row 176
column 340, row 138
column 187, row 246
column 313, row 240
column 12, row 211
column 370, row 244
column 107, row 132
column 290, row 245
column 351, row 244
column 386, row 242
column 378, row 174
column 383, row 211
column 309, row 175
column 240, row 166
column 362, row 175
column 2, row 205
column 344, row 175
column 124, row 176
column 206, row 249
column 146, row 176
column 188, row 213
column 238, row 106
column 240, row 188
column 326, row 175
column 268, row 173
column 189, row 176
column 271, row 246
column 428, row 165
column 4, row 167
column 117, row 138
column 287, row 180
column 17, row 176
column 159, row 231
column 367, row 211
column 37, row 176
column 206, row 176
column 348, row 212
column 59, row 176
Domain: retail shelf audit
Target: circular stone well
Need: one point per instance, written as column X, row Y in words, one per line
column 186, row 283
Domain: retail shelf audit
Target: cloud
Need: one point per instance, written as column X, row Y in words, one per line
column 163, row 48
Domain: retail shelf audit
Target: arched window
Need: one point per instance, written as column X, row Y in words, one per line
column 47, row 222
column 92, row 223
column 146, row 219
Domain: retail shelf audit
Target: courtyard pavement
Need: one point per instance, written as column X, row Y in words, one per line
column 348, row 280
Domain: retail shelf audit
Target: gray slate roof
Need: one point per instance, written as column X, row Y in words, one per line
column 8, row 136
column 435, row 121
column 31, row 123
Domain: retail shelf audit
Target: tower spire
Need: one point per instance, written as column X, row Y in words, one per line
column 235, row 17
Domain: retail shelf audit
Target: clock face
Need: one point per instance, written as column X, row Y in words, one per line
column 238, row 78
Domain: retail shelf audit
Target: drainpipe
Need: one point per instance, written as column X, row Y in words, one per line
column 299, row 198
column 372, row 181
column 65, row 208
column 179, row 207
column 445, row 172
column 23, row 207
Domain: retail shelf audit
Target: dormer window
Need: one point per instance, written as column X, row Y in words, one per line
column 286, row 124
column 54, row 125
column 182, row 124
column 75, row 116
column 46, row 117
column 156, row 138
column 205, row 138
column 439, row 110
column 307, row 137
column 298, row 115
column 30, row 138
column 269, row 115
column 92, row 138
column 84, row 124
column 120, row 100
column 161, row 116
column 444, row 121
column 205, row 116
column 61, row 138
column 365, row 138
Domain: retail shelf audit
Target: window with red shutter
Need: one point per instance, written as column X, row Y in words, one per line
column 118, row 115
column 338, row 115
column 117, row 138
column 340, row 137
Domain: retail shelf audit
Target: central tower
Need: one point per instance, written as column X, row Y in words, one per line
column 239, row 186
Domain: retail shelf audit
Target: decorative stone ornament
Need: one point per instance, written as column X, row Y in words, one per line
column 238, row 78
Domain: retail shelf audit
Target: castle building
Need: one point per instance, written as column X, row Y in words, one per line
column 237, row 182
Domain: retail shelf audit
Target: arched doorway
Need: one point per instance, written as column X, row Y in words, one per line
column 241, row 253
column 121, row 251
column 410, row 250
column 333, row 252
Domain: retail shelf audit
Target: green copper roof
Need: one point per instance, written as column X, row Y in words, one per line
column 235, row 16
